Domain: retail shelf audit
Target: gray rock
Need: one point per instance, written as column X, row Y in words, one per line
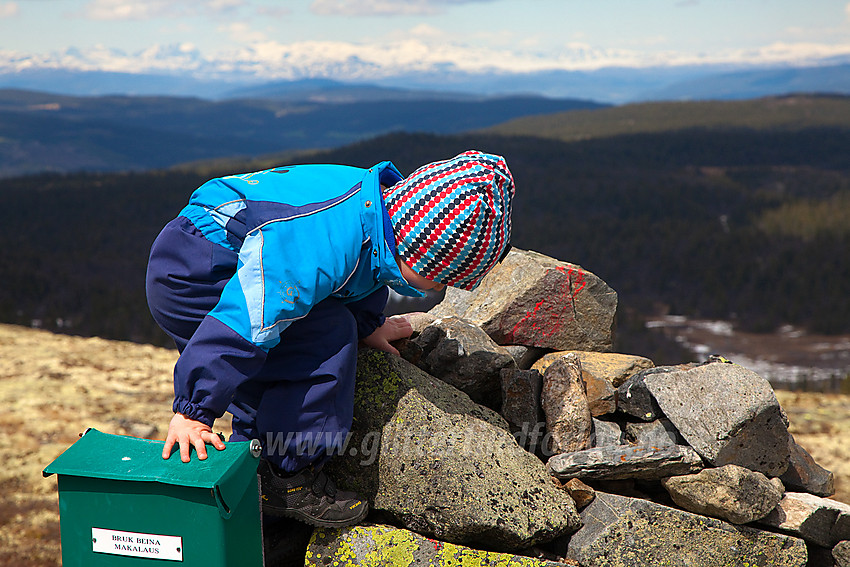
column 446, row 467
column 805, row 475
column 383, row 380
column 521, row 391
column 459, row 479
column 461, row 354
column 628, row 532
column 564, row 401
column 606, row 433
column 822, row 521
column 728, row 413
column 659, row 433
column 731, row 493
column 635, row 399
column 841, row 554
column 620, row 462
column 535, row 300
column 374, row 545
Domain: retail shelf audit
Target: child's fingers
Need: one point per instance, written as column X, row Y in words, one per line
column 215, row 440
column 169, row 445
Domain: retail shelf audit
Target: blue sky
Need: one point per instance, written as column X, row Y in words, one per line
column 275, row 37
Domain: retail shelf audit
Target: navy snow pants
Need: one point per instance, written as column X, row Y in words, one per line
column 300, row 404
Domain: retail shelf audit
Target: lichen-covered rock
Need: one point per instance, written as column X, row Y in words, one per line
column 382, row 381
column 384, row 546
column 731, row 493
column 535, row 300
column 630, row 532
column 459, row 479
column 841, row 554
column 446, row 467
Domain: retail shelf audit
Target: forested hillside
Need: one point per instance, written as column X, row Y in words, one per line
column 766, row 114
column 47, row 132
column 737, row 223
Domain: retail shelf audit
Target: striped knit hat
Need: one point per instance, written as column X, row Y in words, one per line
column 452, row 218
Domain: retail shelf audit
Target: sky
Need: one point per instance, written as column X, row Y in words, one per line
column 274, row 37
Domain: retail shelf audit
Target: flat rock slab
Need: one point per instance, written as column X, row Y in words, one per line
column 728, row 413
column 618, row 462
column 614, row 367
column 630, row 532
column 537, row 301
column 382, row 545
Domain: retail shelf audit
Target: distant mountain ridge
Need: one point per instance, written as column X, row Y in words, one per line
column 614, row 85
column 49, row 132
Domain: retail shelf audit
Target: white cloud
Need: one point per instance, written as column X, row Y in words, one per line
column 9, row 10
column 384, row 7
column 242, row 33
column 149, row 9
column 847, row 10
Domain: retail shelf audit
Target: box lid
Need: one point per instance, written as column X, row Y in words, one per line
column 118, row 457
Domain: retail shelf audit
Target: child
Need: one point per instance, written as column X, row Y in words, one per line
column 267, row 281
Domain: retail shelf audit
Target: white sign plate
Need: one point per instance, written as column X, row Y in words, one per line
column 132, row 544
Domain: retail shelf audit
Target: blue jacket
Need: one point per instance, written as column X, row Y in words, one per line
column 302, row 234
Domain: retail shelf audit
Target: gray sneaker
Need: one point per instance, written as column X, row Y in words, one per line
column 309, row 496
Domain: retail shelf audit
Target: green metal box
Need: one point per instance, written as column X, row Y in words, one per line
column 122, row 504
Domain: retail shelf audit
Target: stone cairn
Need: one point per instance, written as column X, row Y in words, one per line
column 507, row 433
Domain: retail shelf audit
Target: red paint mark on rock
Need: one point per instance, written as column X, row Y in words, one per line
column 549, row 314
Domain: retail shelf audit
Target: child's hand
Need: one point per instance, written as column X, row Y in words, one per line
column 188, row 432
column 393, row 329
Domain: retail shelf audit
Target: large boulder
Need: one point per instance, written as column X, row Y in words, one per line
column 630, row 532
column 728, row 413
column 535, row 300
column 383, row 545
column 448, row 468
column 731, row 493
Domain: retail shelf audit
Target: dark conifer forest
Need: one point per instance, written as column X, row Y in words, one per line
column 751, row 225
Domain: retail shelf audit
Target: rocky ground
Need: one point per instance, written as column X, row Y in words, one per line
column 53, row 387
